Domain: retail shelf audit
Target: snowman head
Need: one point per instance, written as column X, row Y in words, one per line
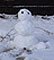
column 24, row 14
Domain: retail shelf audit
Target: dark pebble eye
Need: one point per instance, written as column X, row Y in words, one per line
column 28, row 13
column 22, row 12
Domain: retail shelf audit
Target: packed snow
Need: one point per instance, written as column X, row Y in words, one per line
column 26, row 37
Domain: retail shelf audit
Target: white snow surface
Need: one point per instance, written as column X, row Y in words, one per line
column 37, row 36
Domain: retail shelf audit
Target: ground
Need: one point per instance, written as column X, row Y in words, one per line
column 8, row 33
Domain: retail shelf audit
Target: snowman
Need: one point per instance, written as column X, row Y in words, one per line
column 26, row 29
column 28, row 35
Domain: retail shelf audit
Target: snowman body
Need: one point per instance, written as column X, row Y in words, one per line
column 26, row 35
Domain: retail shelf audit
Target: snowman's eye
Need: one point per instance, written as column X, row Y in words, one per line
column 28, row 13
column 22, row 12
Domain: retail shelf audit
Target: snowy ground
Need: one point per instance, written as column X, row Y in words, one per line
column 8, row 33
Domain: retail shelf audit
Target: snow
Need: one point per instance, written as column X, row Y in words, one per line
column 26, row 37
